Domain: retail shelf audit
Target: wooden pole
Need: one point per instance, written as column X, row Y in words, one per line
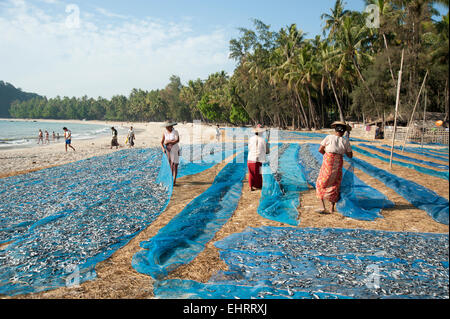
column 424, row 116
column 414, row 110
column 396, row 108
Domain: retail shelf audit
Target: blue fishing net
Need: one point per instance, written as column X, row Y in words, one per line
column 430, row 144
column 357, row 199
column 271, row 262
column 186, row 235
column 424, row 152
column 60, row 222
column 288, row 135
column 428, row 171
column 419, row 196
column 197, row 158
column 404, row 157
column 282, row 185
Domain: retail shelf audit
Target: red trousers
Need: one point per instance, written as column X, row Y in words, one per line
column 254, row 174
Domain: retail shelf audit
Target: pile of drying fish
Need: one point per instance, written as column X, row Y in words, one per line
column 344, row 263
column 60, row 222
column 309, row 164
column 274, row 162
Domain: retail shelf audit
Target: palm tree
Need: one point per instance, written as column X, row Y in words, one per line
column 333, row 21
column 282, row 57
column 351, row 50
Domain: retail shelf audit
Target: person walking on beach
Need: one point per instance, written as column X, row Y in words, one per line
column 257, row 150
column 131, row 137
column 218, row 134
column 47, row 137
column 40, row 137
column 333, row 148
column 68, row 138
column 170, row 147
column 114, row 141
column 53, row 136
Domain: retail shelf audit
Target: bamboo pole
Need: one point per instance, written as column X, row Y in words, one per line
column 414, row 110
column 396, row 108
column 424, row 116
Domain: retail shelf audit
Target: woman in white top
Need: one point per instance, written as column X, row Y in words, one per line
column 333, row 148
column 169, row 144
column 256, row 156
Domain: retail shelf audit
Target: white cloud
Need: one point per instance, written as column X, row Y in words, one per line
column 110, row 14
column 106, row 55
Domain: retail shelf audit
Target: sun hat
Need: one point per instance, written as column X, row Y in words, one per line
column 258, row 129
column 167, row 124
column 340, row 123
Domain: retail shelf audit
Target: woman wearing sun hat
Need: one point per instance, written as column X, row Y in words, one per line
column 169, row 145
column 256, row 156
column 333, row 148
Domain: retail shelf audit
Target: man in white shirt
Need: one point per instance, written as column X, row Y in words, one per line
column 131, row 137
column 256, row 156
column 68, row 138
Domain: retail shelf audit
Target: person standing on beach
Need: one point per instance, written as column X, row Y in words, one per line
column 47, row 137
column 68, row 138
column 333, row 148
column 53, row 136
column 257, row 150
column 40, row 137
column 218, row 134
column 170, row 147
column 114, row 141
column 131, row 137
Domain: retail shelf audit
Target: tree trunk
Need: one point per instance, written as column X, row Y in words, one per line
column 364, row 81
column 311, row 108
column 300, row 121
column 389, row 60
column 303, row 111
column 341, row 115
column 446, row 100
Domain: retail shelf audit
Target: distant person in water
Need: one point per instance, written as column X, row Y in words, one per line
column 169, row 145
column 47, row 137
column 57, row 136
column 40, row 137
column 68, row 138
column 114, row 141
column 131, row 137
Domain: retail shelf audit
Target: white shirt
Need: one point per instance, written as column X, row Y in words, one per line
column 257, row 149
column 170, row 136
column 336, row 144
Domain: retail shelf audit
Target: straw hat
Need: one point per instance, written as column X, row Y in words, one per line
column 259, row 129
column 348, row 127
column 167, row 124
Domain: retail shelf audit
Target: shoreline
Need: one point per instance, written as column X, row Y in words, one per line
column 21, row 160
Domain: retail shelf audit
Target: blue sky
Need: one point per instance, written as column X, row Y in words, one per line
column 107, row 47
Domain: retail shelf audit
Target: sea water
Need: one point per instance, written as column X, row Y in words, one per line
column 24, row 133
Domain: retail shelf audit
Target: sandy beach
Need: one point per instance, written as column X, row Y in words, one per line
column 28, row 159
column 116, row 278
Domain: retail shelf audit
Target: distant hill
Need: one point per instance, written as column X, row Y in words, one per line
column 8, row 94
